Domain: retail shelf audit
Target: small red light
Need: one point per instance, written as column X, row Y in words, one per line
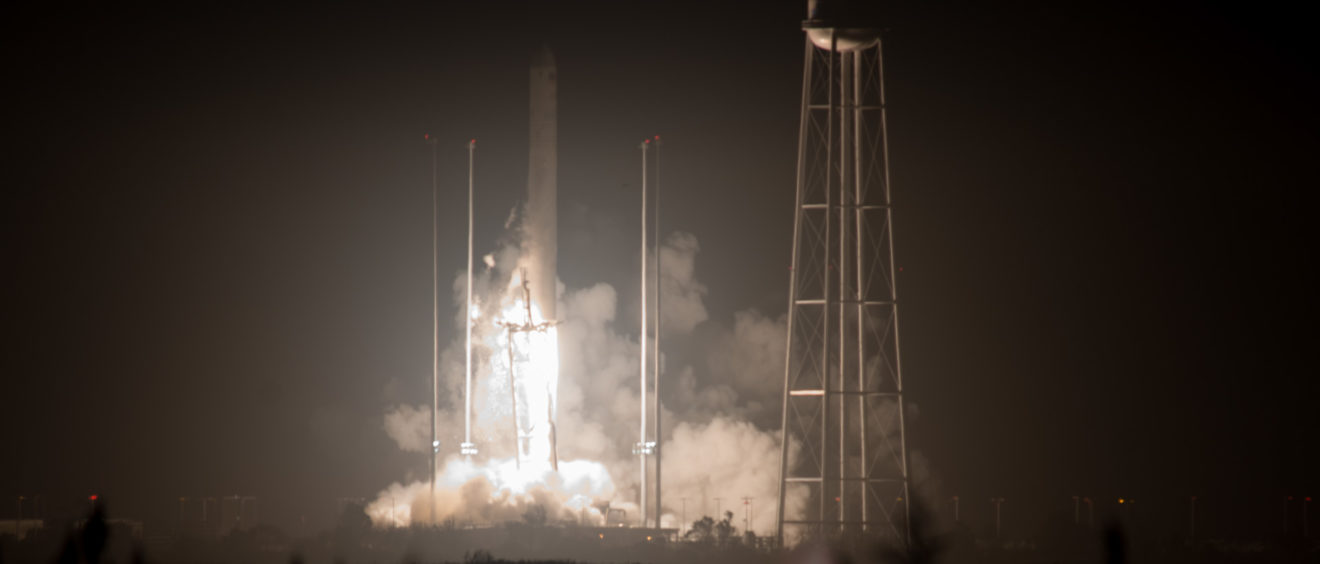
column 1308, row 499
column 647, row 141
column 657, row 137
column 426, row 136
column 474, row 141
column 92, row 497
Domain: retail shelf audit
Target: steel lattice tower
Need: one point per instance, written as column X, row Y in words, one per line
column 844, row 473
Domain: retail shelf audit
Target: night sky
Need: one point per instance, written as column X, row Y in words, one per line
column 216, row 233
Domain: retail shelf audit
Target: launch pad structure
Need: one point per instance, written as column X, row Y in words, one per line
column 534, row 435
column 844, row 443
column 843, row 463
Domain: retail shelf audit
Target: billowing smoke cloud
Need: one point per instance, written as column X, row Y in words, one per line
column 750, row 360
column 716, row 405
column 409, row 426
column 681, row 295
column 738, row 463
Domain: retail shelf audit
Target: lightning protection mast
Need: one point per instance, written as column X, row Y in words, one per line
column 643, row 447
column 844, row 459
column 655, row 357
column 468, row 449
column 435, row 314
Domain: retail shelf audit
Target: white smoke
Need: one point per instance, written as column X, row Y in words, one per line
column 681, row 295
column 749, row 359
column 739, row 465
column 409, row 426
column 712, row 412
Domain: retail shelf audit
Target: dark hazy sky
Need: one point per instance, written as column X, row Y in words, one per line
column 216, row 231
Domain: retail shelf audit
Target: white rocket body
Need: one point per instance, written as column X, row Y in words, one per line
column 537, row 386
column 540, row 221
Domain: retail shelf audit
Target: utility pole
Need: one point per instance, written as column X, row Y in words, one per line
column 747, row 514
column 1286, row 502
column 1191, row 519
column 997, row 501
column 1306, row 506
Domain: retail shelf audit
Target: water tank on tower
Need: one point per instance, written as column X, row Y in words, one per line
column 842, row 25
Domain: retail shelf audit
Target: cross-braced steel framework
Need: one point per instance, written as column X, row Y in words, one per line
column 844, row 469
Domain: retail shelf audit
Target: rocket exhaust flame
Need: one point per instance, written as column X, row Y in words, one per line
column 588, row 397
column 532, row 346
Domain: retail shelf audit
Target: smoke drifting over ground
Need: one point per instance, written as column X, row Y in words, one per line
column 719, row 441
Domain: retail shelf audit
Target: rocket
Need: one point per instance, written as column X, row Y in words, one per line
column 540, row 219
column 536, row 382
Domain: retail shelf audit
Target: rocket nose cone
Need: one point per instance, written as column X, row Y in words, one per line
column 543, row 57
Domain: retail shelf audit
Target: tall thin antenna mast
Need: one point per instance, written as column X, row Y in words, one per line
column 656, row 360
column 467, row 448
column 642, row 446
column 435, row 314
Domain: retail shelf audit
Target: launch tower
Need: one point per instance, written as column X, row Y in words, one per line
column 844, row 472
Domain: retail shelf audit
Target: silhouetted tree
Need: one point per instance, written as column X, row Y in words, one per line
column 95, row 533
column 703, row 530
column 724, row 530
column 478, row 557
column 69, row 552
column 1115, row 544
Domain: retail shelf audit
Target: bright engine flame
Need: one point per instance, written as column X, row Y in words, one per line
column 530, row 359
column 522, row 396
